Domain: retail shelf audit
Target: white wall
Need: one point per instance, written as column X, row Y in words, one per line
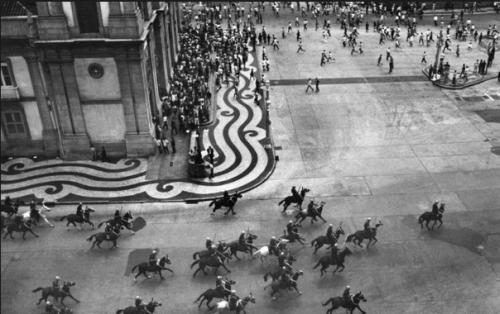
column 22, row 76
column 105, row 123
column 106, row 87
column 104, row 13
column 33, row 119
column 68, row 11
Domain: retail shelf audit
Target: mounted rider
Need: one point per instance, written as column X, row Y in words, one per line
column 79, row 210
column 291, row 229
column 109, row 230
column 330, row 235
column 208, row 243
column 233, row 300
column 220, row 285
column 296, row 195
column 367, row 226
column 347, row 296
column 212, row 252
column 34, row 213
column 19, row 220
column 140, row 306
column 286, row 277
column 153, row 259
column 311, row 209
column 226, row 196
column 335, row 252
column 8, row 202
column 55, row 284
column 242, row 240
column 283, row 261
column 273, row 246
column 435, row 209
column 50, row 308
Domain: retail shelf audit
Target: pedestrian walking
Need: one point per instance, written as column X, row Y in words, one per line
column 458, row 51
column 309, row 85
column 275, row 46
column 391, row 65
column 174, row 128
column 388, row 53
column 164, row 143
column 300, row 47
column 298, row 36
column 93, row 153
column 158, row 145
column 317, row 85
column 104, row 155
column 172, row 143
column 423, row 58
column 379, row 62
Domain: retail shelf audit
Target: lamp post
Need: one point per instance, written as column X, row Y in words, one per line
column 268, row 85
column 439, row 45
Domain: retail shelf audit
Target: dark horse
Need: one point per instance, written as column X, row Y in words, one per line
column 428, row 216
column 144, row 267
column 122, row 221
column 326, row 261
column 221, row 248
column 73, row 219
column 106, row 236
column 291, row 199
column 235, row 246
column 322, row 240
column 280, row 285
column 341, row 302
column 23, row 227
column 211, row 294
column 306, row 213
column 292, row 237
column 63, row 293
column 12, row 209
column 360, row 235
column 275, row 273
column 211, row 262
column 133, row 310
column 220, row 202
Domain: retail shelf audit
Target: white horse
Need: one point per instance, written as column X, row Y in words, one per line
column 263, row 252
column 240, row 305
column 41, row 210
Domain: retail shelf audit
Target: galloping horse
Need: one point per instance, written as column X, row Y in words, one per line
column 360, row 235
column 306, row 213
column 73, row 218
column 63, row 293
column 292, row 237
column 275, row 273
column 235, row 246
column 240, row 305
column 322, row 240
column 24, row 227
column 144, row 267
column 280, row 285
column 12, row 209
column 428, row 216
column 220, row 202
column 291, row 199
column 211, row 262
column 221, row 248
column 103, row 236
column 326, row 261
column 133, row 310
column 41, row 211
column 124, row 221
column 264, row 252
column 214, row 293
column 341, row 302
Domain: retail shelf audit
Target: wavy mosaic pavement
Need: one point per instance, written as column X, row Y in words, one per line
column 238, row 138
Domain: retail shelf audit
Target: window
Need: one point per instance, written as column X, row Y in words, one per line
column 6, row 75
column 88, row 17
column 14, row 123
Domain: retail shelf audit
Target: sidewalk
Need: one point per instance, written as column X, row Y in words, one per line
column 461, row 83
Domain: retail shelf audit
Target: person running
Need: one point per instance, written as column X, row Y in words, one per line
column 309, row 85
column 300, row 47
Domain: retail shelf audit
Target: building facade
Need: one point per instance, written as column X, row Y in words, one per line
column 76, row 74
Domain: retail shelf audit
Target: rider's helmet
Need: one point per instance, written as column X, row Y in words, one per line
column 208, row 238
column 284, row 268
column 138, row 298
column 282, row 253
column 80, row 203
column 154, row 251
column 291, row 222
column 331, row 225
column 57, row 278
column 335, row 245
column 369, row 218
column 273, row 238
column 233, row 292
column 348, row 287
column 219, row 277
column 48, row 303
column 108, row 224
column 242, row 231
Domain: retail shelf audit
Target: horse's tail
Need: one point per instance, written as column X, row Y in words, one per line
column 99, row 225
column 37, row 289
column 195, row 262
column 327, row 302
column 62, row 218
column 133, row 269
column 211, row 203
column 313, row 241
column 349, row 238
column 265, row 278
column 281, row 202
column 194, row 255
column 319, row 263
column 257, row 252
column 90, row 238
column 202, row 295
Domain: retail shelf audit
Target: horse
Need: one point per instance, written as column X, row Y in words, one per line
column 280, row 285
column 211, row 262
column 73, row 218
column 275, row 272
column 322, row 240
column 360, row 235
column 264, row 251
column 240, row 304
column 210, row 294
column 102, row 236
column 291, row 199
column 341, row 302
column 428, row 216
column 220, row 202
column 23, row 227
column 326, row 261
column 292, row 237
column 123, row 221
column 62, row 293
column 144, row 267
column 40, row 213
column 306, row 213
column 235, row 246
column 133, row 310
column 221, row 248
column 12, row 209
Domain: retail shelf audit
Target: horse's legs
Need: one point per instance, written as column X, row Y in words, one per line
column 285, row 206
column 427, row 225
column 440, row 223
column 435, row 221
column 357, row 307
column 226, row 268
column 322, row 218
column 369, row 241
column 98, row 243
column 31, row 232
column 375, row 241
column 235, row 254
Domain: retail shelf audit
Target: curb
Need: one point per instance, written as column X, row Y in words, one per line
column 472, row 83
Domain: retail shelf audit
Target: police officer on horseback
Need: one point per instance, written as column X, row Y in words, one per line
column 109, row 230
column 273, row 246
column 335, row 252
column 79, row 210
column 208, row 243
column 347, row 295
column 226, row 196
column 283, row 262
column 220, row 285
column 367, row 226
column 153, row 260
column 140, row 305
column 8, row 202
column 242, row 240
column 291, row 229
column 55, row 284
column 296, row 194
column 233, row 300
column 212, row 252
column 435, row 209
column 311, row 209
column 34, row 214
column 50, row 308
column 329, row 234
column 18, row 220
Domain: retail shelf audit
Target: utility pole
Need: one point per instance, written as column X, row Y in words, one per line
column 439, row 45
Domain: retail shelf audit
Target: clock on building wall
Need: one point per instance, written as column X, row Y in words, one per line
column 96, row 70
